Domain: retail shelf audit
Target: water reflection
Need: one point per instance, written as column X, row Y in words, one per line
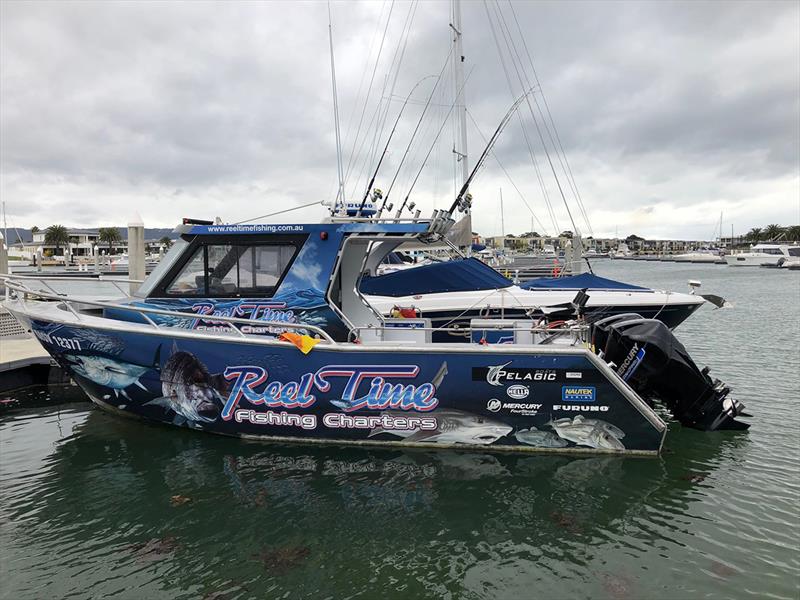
column 196, row 514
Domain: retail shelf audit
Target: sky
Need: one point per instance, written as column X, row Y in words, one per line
column 672, row 116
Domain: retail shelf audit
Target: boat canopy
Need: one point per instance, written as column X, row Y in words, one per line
column 452, row 276
column 579, row 282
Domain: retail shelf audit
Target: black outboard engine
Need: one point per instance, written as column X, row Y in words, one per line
column 647, row 355
column 600, row 330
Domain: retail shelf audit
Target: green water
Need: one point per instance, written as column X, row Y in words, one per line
column 94, row 506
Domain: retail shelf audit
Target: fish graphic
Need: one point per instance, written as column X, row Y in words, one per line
column 541, row 439
column 453, row 427
column 109, row 372
column 188, row 389
column 589, row 432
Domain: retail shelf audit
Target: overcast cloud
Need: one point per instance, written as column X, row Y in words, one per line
column 669, row 112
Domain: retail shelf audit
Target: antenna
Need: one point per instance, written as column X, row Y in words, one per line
column 340, row 193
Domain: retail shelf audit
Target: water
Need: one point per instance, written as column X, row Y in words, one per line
column 96, row 506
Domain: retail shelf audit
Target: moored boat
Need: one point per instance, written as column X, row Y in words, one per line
column 262, row 331
column 765, row 254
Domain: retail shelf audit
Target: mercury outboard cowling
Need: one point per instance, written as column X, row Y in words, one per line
column 600, row 330
column 647, row 355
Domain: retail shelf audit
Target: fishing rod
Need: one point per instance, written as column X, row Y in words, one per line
column 416, row 129
column 433, row 145
column 386, row 147
column 458, row 203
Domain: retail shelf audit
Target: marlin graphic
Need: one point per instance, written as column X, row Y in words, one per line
column 110, row 372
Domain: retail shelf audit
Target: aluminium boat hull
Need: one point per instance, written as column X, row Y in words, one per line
column 504, row 398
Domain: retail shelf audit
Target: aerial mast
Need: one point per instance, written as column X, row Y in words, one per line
column 340, row 193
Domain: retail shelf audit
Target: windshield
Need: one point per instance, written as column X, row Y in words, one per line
column 163, row 266
column 794, row 251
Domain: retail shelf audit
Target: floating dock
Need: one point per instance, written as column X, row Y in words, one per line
column 23, row 361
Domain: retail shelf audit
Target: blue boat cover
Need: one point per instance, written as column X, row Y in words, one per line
column 478, row 247
column 578, row 282
column 451, row 276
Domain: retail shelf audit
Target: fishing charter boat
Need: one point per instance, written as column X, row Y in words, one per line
column 261, row 331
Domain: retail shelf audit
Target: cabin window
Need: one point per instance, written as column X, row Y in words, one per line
column 191, row 279
column 222, row 261
column 233, row 270
column 794, row 251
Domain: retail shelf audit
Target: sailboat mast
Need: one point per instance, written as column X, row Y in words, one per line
column 340, row 193
column 460, row 145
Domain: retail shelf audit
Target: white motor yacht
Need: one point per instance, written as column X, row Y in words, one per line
column 699, row 255
column 773, row 255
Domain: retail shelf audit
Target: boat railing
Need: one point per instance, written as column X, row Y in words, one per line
column 12, row 284
column 548, row 334
column 114, row 281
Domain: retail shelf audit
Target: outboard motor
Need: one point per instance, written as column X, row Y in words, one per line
column 647, row 355
column 598, row 333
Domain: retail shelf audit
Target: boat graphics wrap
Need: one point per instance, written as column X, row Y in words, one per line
column 386, row 397
column 306, row 306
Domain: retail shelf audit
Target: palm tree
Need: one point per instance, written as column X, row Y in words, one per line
column 110, row 236
column 793, row 233
column 773, row 232
column 56, row 235
column 34, row 229
column 754, row 234
column 166, row 242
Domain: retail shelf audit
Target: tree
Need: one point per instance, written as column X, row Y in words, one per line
column 167, row 242
column 566, row 234
column 56, row 235
column 754, row 234
column 110, row 236
column 793, row 233
column 773, row 232
column 34, row 229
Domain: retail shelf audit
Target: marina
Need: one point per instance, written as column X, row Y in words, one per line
column 399, row 300
column 606, row 521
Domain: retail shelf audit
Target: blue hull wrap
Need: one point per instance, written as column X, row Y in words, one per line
column 492, row 399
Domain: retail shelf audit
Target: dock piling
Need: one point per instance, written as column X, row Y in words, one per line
column 136, row 266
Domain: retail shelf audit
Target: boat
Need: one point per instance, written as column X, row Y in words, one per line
column 261, row 331
column 453, row 292
column 593, row 253
column 699, row 255
column 765, row 254
column 548, row 251
column 622, row 251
